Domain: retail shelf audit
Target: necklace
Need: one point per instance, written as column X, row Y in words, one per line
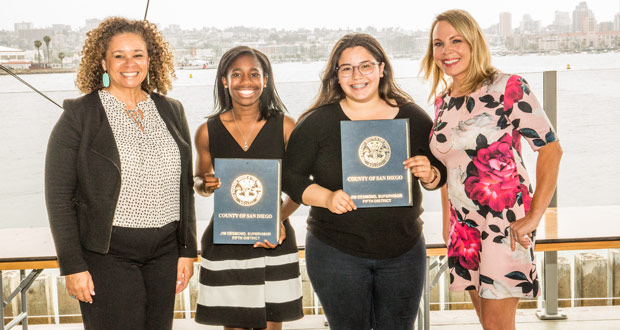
column 136, row 115
column 245, row 139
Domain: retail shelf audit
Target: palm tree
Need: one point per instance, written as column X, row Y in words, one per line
column 61, row 56
column 47, row 40
column 38, row 43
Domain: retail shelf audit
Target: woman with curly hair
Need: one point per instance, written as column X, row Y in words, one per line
column 118, row 182
column 490, row 209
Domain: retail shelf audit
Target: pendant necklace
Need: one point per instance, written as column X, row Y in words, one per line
column 245, row 139
column 136, row 115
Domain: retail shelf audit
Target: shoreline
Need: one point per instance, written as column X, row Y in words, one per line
column 39, row 71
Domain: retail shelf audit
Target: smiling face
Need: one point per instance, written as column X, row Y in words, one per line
column 245, row 81
column 360, row 87
column 451, row 52
column 126, row 61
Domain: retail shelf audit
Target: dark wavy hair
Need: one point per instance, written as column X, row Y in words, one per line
column 331, row 92
column 269, row 102
column 161, row 65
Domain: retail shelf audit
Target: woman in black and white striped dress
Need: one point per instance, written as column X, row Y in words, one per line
column 244, row 286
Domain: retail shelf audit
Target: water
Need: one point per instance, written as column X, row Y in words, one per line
column 588, row 116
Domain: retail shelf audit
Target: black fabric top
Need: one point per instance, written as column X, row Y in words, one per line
column 314, row 156
column 268, row 144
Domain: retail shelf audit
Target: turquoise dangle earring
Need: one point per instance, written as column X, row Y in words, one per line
column 106, row 79
column 148, row 78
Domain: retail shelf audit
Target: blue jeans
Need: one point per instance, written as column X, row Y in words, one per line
column 362, row 294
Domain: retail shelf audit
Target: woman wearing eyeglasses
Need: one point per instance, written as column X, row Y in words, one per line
column 366, row 265
column 481, row 115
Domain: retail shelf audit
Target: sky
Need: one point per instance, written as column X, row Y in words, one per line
column 289, row 14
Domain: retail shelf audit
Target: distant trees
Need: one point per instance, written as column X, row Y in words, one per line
column 61, row 56
column 38, row 43
column 47, row 40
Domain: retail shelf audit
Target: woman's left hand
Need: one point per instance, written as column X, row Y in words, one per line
column 521, row 231
column 420, row 167
column 268, row 245
column 185, row 270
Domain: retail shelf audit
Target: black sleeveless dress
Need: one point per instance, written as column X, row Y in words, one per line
column 242, row 286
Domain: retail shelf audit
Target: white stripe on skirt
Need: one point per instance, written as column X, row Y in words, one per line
column 250, row 296
column 259, row 262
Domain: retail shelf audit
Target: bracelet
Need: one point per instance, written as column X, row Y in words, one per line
column 203, row 186
column 435, row 175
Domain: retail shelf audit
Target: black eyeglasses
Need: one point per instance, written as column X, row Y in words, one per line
column 365, row 68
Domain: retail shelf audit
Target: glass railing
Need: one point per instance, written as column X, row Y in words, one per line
column 588, row 116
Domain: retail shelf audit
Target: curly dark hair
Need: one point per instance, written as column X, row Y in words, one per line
column 161, row 66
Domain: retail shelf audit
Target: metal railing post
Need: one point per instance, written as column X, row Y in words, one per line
column 22, row 277
column 550, row 104
column 550, row 289
column 1, row 303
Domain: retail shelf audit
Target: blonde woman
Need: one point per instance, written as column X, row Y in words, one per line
column 480, row 117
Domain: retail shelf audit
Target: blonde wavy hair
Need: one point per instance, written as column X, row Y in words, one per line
column 161, row 65
column 480, row 69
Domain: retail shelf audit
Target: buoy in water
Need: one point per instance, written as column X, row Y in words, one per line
column 190, row 75
column 567, row 66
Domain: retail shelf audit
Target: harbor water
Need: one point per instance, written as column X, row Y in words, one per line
column 588, row 120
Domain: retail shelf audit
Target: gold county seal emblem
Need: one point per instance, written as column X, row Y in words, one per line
column 374, row 152
column 246, row 190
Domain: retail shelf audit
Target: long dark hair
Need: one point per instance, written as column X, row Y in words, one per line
column 269, row 102
column 331, row 92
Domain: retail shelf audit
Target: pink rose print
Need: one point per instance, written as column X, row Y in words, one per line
column 514, row 92
column 497, row 182
column 527, row 199
column 464, row 243
column 438, row 103
column 516, row 140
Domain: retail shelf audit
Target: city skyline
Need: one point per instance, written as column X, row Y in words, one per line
column 289, row 15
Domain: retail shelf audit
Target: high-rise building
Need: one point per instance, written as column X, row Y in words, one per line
column 528, row 25
column 561, row 23
column 22, row 26
column 505, row 24
column 582, row 18
column 91, row 23
column 605, row 26
column 617, row 19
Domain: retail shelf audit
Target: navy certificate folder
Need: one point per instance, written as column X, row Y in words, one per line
column 247, row 205
column 373, row 152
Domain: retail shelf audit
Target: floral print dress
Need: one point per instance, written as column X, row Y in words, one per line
column 478, row 138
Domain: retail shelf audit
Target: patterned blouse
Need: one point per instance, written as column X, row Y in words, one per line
column 150, row 166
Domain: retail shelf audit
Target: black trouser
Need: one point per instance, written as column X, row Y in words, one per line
column 135, row 282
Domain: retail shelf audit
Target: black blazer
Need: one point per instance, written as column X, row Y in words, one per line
column 83, row 180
